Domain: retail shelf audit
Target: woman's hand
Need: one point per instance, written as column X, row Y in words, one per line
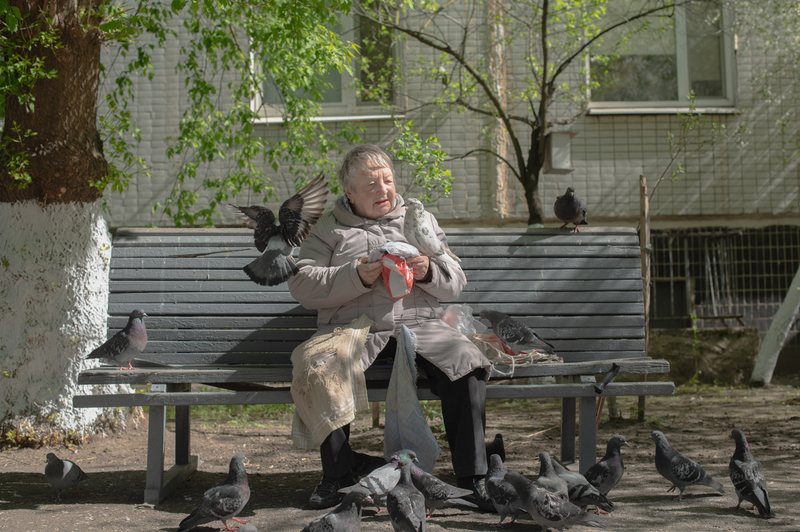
column 421, row 267
column 368, row 271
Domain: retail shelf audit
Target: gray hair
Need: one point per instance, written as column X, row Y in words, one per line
column 359, row 158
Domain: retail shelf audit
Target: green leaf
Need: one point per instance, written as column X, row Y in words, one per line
column 178, row 5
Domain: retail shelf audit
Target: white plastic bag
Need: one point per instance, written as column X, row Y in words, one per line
column 459, row 317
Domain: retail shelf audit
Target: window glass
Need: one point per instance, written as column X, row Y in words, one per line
column 705, row 50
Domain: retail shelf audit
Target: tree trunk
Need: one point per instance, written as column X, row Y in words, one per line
column 66, row 152
column 531, row 177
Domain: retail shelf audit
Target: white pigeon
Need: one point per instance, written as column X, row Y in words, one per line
column 420, row 234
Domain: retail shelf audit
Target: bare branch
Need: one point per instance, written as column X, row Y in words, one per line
column 470, row 152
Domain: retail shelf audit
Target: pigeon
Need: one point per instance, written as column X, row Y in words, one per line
column 514, row 334
column 381, row 480
column 747, row 476
column 496, row 446
column 437, row 492
column 420, row 234
column 344, row 518
column 223, row 501
column 581, row 492
column 405, row 504
column 678, row 469
column 126, row 344
column 247, row 528
column 277, row 238
column 550, row 510
column 607, row 473
column 548, row 479
column 503, row 495
column 571, row 209
column 63, row 474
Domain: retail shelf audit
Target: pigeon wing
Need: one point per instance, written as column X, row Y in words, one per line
column 113, row 347
column 301, row 211
column 261, row 220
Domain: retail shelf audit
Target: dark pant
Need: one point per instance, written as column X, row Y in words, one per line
column 463, row 411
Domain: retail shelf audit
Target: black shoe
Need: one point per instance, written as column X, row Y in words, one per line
column 479, row 496
column 326, row 494
column 364, row 464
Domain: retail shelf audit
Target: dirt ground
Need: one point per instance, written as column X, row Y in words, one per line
column 697, row 421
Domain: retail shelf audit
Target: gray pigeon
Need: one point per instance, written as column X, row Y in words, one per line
column 571, row 209
column 381, row 480
column 496, row 446
column 548, row 479
column 607, row 473
column 419, row 232
column 747, row 476
column 580, row 491
column 550, row 510
column 247, row 528
column 503, row 495
column 405, row 504
column 223, row 501
column 126, row 344
column 277, row 238
column 63, row 474
column 344, row 518
column 514, row 334
column 437, row 492
column 678, row 469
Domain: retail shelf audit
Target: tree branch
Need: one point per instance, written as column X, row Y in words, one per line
column 470, row 152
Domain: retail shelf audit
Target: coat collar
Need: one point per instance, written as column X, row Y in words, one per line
column 346, row 217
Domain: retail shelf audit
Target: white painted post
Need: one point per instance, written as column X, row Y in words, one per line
column 776, row 335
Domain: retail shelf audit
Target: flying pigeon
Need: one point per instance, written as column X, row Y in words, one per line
column 437, row 492
column 276, row 238
column 126, row 344
column 420, row 234
column 550, row 510
column 548, row 479
column 503, row 495
column 223, row 501
column 344, row 518
column 678, row 469
column 514, row 334
column 63, row 474
column 405, row 504
column 571, row 209
column 381, row 480
column 747, row 476
column 580, row 491
column 607, row 473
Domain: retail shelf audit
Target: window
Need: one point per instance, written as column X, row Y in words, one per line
column 655, row 62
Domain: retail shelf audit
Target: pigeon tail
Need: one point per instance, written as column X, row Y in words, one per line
column 271, row 268
column 587, row 520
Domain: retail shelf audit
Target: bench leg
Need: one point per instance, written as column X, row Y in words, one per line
column 568, row 430
column 588, row 438
column 155, row 455
column 182, row 434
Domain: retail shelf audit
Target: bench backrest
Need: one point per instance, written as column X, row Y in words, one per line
column 582, row 292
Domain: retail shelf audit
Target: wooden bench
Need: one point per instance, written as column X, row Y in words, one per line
column 208, row 323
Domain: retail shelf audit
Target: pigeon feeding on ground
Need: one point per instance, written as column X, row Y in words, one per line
column 381, row 480
column 420, row 234
column 571, row 209
column 747, row 476
column 126, row 344
column 517, row 336
column 406, row 504
column 550, row 510
column 344, row 518
column 503, row 495
column 581, row 492
column 63, row 474
column 437, row 492
column 548, row 479
column 277, row 238
column 223, row 501
column 679, row 469
column 607, row 473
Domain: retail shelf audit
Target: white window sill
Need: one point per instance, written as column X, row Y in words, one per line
column 662, row 110
column 347, row 118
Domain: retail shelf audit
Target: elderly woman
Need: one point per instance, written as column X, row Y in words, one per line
column 336, row 279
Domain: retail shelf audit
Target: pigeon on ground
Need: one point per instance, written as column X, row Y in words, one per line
column 420, row 234
column 678, row 469
column 247, row 528
column 223, row 501
column 607, row 473
column 437, row 492
column 581, row 492
column 496, row 446
column 571, row 209
column 276, row 238
column 344, row 518
column 405, row 504
column 503, row 495
column 550, row 510
column 126, row 344
column 381, row 480
column 63, row 474
column 548, row 479
column 514, row 334
column 747, row 476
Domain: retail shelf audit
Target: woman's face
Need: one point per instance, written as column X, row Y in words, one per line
column 371, row 192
